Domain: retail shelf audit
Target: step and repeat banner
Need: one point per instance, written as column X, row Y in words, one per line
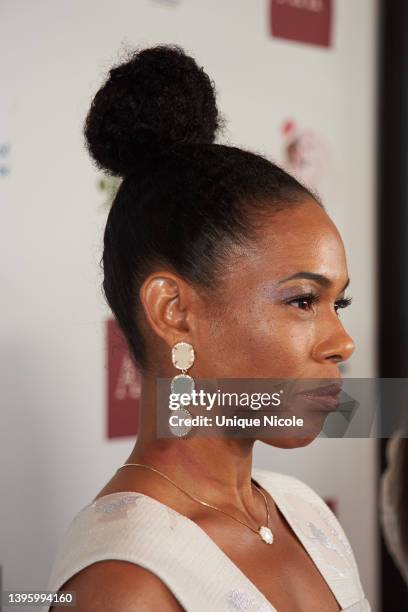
column 296, row 81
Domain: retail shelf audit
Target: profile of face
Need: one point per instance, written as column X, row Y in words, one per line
column 274, row 312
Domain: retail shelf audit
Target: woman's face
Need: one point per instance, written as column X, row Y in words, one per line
column 278, row 312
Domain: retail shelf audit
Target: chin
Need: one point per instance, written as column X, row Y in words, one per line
column 288, row 442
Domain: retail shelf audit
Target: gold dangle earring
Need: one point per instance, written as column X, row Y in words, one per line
column 182, row 355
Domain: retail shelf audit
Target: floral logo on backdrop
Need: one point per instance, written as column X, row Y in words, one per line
column 306, row 156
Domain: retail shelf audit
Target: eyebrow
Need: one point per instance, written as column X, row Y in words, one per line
column 318, row 278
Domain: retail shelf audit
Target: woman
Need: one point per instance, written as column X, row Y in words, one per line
column 394, row 499
column 218, row 248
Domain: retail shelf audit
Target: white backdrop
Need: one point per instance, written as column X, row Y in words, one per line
column 53, row 453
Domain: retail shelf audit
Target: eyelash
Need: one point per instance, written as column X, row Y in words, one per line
column 313, row 298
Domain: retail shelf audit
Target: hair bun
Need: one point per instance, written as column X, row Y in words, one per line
column 158, row 99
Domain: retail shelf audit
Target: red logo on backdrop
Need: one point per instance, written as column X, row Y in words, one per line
column 305, row 155
column 123, row 381
column 307, row 21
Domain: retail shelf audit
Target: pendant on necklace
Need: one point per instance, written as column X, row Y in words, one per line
column 266, row 534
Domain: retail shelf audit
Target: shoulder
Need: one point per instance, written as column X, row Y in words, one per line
column 108, row 556
column 120, row 586
column 318, row 529
column 293, row 492
column 390, row 500
column 305, row 506
column 283, row 483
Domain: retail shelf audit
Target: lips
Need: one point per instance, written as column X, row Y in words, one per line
column 322, row 402
column 327, row 390
column 323, row 396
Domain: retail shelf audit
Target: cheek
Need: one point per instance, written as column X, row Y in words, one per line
column 253, row 342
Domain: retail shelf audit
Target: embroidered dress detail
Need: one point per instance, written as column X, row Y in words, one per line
column 134, row 527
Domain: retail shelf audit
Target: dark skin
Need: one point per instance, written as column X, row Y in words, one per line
column 253, row 325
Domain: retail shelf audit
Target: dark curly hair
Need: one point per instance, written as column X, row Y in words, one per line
column 183, row 199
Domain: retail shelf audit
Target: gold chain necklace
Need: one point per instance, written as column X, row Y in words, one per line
column 263, row 531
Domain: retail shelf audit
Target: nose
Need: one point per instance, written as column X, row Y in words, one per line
column 335, row 347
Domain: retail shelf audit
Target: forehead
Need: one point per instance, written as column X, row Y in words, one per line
column 302, row 238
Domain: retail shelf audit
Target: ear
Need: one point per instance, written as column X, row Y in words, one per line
column 167, row 302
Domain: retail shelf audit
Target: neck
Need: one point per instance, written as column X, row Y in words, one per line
column 218, row 468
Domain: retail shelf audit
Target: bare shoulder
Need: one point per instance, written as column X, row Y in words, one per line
column 120, row 586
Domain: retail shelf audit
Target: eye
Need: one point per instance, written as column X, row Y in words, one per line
column 342, row 303
column 305, row 301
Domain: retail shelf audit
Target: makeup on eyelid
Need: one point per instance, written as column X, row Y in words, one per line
column 276, row 292
column 301, row 293
column 324, row 282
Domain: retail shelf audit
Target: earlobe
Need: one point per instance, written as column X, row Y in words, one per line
column 162, row 296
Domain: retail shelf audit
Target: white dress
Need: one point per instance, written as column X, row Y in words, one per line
column 134, row 527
